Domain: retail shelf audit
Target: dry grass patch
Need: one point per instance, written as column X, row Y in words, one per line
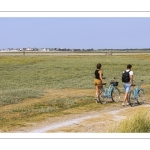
column 53, row 103
column 137, row 121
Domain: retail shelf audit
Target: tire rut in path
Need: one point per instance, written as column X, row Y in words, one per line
column 76, row 121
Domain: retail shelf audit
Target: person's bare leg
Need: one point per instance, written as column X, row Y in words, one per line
column 125, row 98
column 96, row 94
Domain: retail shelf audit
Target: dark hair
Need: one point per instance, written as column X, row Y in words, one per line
column 98, row 66
column 129, row 66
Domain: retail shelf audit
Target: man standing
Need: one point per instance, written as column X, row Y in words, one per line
column 127, row 79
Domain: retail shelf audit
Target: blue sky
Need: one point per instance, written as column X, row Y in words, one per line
column 71, row 32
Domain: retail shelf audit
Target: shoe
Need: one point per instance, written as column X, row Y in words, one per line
column 123, row 104
column 127, row 104
column 97, row 100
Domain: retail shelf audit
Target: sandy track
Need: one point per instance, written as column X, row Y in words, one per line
column 91, row 122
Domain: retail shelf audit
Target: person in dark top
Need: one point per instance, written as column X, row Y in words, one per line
column 98, row 79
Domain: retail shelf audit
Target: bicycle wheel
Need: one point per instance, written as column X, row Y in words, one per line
column 102, row 97
column 131, row 98
column 115, row 95
column 141, row 96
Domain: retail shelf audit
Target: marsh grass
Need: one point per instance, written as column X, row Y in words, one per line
column 17, row 95
column 24, row 77
column 139, row 122
column 30, row 76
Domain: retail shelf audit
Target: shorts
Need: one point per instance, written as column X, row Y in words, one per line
column 127, row 87
column 97, row 82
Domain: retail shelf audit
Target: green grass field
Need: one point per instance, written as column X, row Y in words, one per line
column 30, row 77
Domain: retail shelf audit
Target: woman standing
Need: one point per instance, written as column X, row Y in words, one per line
column 98, row 80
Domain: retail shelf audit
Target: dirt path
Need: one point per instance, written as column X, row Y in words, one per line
column 91, row 122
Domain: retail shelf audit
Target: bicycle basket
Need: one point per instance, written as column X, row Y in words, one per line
column 114, row 83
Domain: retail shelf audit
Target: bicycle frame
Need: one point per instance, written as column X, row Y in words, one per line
column 136, row 92
column 108, row 91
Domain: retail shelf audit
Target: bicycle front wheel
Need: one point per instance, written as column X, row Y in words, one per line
column 115, row 95
column 102, row 97
column 141, row 96
column 131, row 98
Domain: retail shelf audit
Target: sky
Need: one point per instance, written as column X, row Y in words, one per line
column 75, row 32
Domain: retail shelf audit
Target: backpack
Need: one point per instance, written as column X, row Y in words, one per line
column 125, row 76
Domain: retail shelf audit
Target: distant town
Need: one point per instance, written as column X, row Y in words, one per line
column 65, row 49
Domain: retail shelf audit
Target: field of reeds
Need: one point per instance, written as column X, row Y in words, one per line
column 35, row 87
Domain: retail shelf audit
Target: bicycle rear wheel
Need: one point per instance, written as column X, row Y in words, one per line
column 131, row 98
column 102, row 97
column 115, row 95
column 141, row 96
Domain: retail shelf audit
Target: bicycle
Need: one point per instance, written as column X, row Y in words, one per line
column 111, row 92
column 136, row 95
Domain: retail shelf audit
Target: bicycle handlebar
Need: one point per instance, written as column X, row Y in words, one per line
column 103, row 83
column 139, row 83
column 111, row 79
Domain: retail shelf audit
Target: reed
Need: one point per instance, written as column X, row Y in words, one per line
column 139, row 122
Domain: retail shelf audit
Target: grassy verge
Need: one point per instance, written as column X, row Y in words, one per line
column 139, row 122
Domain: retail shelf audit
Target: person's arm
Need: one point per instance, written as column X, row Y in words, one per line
column 131, row 79
column 100, row 75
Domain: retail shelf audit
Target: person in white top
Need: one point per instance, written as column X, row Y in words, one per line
column 127, row 85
